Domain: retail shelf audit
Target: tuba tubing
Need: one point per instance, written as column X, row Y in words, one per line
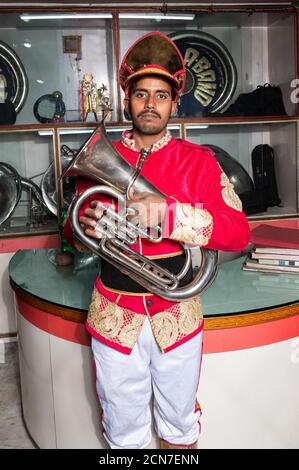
column 100, row 161
column 201, row 281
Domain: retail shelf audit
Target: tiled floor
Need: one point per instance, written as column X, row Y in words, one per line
column 13, row 434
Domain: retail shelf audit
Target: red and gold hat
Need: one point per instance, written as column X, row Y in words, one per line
column 153, row 54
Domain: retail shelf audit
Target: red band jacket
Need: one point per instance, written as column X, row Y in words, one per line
column 202, row 209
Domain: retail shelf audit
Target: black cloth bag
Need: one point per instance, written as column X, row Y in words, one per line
column 263, row 168
column 265, row 100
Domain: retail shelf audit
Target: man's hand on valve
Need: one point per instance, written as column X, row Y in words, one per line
column 149, row 212
column 89, row 220
column 149, row 208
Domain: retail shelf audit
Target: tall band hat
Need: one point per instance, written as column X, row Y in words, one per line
column 153, row 54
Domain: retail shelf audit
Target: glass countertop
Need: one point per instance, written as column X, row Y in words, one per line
column 233, row 291
column 36, row 272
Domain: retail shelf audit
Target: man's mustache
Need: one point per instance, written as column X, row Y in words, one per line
column 143, row 113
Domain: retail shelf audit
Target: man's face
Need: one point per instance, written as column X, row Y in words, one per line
column 150, row 105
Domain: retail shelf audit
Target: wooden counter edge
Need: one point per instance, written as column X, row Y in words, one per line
column 67, row 313
column 251, row 318
column 216, row 323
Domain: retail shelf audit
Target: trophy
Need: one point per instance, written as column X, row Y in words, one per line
column 89, row 97
column 105, row 102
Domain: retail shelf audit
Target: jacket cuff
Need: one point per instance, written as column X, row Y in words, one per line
column 188, row 224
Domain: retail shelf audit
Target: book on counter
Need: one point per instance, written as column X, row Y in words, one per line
column 255, row 265
column 279, row 258
column 278, row 237
column 276, row 250
column 278, row 262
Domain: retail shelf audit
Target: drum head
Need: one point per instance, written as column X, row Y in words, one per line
column 211, row 76
column 9, row 191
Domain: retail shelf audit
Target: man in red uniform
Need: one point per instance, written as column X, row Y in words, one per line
column 132, row 329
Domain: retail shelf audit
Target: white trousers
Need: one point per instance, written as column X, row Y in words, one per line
column 126, row 383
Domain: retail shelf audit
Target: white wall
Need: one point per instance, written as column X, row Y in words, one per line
column 250, row 398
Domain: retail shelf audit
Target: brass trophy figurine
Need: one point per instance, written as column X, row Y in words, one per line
column 89, row 97
column 105, row 102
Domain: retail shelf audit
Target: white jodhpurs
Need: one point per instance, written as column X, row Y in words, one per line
column 125, row 385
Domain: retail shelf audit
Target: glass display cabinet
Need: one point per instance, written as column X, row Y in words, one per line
column 52, row 62
column 25, row 158
column 241, row 141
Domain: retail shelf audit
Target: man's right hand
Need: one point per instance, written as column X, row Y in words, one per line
column 89, row 220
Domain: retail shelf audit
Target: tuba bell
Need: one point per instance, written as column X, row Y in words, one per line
column 100, row 161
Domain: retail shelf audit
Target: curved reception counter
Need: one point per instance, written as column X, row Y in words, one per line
column 249, row 384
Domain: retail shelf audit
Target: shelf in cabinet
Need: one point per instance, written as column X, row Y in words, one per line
column 20, row 227
column 272, row 216
column 186, row 121
column 192, row 122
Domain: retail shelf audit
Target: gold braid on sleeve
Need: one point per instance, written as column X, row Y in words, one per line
column 192, row 225
column 228, row 193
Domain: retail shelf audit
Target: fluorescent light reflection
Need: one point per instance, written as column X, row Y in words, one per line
column 80, row 131
column 62, row 16
column 77, row 16
column 158, row 16
column 89, row 131
column 189, row 128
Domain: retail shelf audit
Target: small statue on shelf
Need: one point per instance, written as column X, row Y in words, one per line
column 105, row 102
column 89, row 97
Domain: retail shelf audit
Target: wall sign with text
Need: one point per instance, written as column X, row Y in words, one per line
column 211, row 73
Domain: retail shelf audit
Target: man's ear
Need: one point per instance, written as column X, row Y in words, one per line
column 127, row 112
column 126, row 104
column 173, row 107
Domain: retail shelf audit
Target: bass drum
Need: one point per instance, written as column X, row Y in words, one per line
column 211, row 74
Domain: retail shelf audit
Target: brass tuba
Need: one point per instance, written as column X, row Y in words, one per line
column 100, row 161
